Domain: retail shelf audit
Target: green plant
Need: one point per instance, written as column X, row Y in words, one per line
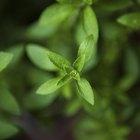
column 67, row 70
column 58, row 43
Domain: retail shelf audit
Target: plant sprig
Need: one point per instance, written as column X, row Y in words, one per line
column 71, row 71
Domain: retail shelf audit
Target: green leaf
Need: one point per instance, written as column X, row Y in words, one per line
column 5, row 59
column 64, row 80
column 8, row 102
column 59, row 60
column 55, row 14
column 17, row 51
column 86, row 48
column 34, row 101
column 50, row 86
column 85, row 90
column 37, row 32
column 7, row 130
column 131, row 20
column 79, row 63
column 39, row 56
column 90, row 23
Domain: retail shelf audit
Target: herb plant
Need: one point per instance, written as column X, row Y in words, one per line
column 70, row 70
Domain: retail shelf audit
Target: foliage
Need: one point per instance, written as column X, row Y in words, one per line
column 77, row 61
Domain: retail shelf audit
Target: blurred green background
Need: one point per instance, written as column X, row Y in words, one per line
column 114, row 73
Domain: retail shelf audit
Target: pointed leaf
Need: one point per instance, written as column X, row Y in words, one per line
column 131, row 20
column 64, row 80
column 50, row 86
column 5, row 58
column 85, row 90
column 8, row 102
column 17, row 51
column 7, row 130
column 55, row 14
column 79, row 63
column 90, row 23
column 59, row 60
column 86, row 48
column 39, row 56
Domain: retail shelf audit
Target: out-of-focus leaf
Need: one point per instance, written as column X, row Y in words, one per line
column 38, row 32
column 39, row 56
column 54, row 15
column 17, row 52
column 8, row 102
column 67, row 91
column 90, row 23
column 49, row 87
column 116, row 5
column 131, row 20
column 7, row 130
column 86, row 48
column 132, row 68
column 34, row 101
column 80, row 34
column 5, row 59
column 85, row 90
column 72, row 107
column 59, row 60
column 131, row 64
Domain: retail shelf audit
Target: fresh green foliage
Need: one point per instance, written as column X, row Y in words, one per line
column 90, row 23
column 7, row 130
column 59, row 61
column 53, row 54
column 70, row 72
column 49, row 86
column 85, row 90
column 5, row 58
column 79, row 62
column 86, row 48
column 51, row 20
column 39, row 57
column 131, row 20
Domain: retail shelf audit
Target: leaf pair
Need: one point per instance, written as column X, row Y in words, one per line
column 69, row 71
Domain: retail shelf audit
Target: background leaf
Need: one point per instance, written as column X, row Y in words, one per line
column 54, row 15
column 86, row 48
column 7, row 130
column 5, row 58
column 34, row 101
column 8, row 102
column 90, row 23
column 131, row 20
column 85, row 90
column 39, row 56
